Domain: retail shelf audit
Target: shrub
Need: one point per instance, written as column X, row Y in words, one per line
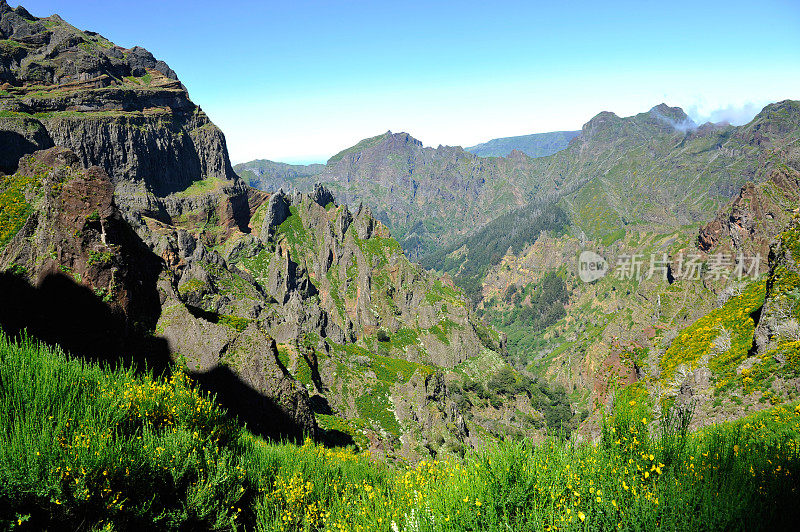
column 83, row 447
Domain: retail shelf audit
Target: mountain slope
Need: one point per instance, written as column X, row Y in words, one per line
column 129, row 239
column 677, row 337
column 655, row 167
column 425, row 196
column 535, row 145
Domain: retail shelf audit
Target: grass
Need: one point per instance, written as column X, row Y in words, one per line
column 14, row 209
column 294, row 230
column 698, row 339
column 372, row 400
column 442, row 292
column 88, row 447
column 442, row 330
column 200, row 187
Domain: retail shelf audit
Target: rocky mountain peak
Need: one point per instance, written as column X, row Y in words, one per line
column 22, row 12
column 600, row 122
column 121, row 109
column 321, row 195
column 673, row 116
column 403, row 138
column 675, row 113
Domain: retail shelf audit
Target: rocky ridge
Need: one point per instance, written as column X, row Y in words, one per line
column 304, row 317
column 680, row 340
column 656, row 167
column 426, row 196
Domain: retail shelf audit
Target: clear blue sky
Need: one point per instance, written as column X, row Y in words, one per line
column 299, row 80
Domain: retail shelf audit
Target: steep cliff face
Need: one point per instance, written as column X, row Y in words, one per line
column 119, row 109
column 777, row 336
column 102, row 290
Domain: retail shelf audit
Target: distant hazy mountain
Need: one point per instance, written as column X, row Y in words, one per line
column 426, row 196
column 536, row 145
column 656, row 167
column 270, row 175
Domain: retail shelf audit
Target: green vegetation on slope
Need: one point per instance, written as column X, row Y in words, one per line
column 362, row 145
column 15, row 208
column 531, row 310
column 488, row 246
column 724, row 336
column 82, row 446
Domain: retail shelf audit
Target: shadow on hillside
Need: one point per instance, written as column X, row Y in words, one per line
column 262, row 414
column 64, row 313
column 60, row 311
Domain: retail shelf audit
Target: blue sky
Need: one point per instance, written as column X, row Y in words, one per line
column 297, row 81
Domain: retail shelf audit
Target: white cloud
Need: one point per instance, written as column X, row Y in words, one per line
column 735, row 114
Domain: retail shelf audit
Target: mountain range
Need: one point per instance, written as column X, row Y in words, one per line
column 126, row 236
column 432, row 198
column 508, row 327
column 307, row 312
column 632, row 185
column 535, row 145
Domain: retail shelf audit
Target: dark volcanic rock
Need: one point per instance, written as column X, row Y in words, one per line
column 119, row 109
column 277, row 212
column 321, row 195
column 140, row 61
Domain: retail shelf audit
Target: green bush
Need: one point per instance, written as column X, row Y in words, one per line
column 85, row 447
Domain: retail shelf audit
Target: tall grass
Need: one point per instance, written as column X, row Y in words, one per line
column 85, row 447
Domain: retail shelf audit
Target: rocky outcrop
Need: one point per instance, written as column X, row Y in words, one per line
column 321, row 195
column 748, row 224
column 277, row 212
column 362, row 279
column 244, row 370
column 778, row 321
column 75, row 228
column 70, row 227
column 119, row 109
